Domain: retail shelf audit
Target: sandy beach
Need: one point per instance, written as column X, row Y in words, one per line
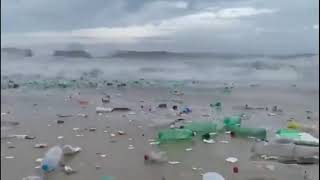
column 36, row 111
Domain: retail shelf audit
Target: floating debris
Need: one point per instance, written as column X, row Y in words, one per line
column 173, row 162
column 232, row 159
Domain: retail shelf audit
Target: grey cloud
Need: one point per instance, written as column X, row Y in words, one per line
column 293, row 28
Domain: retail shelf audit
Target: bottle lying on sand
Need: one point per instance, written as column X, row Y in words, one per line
column 52, row 159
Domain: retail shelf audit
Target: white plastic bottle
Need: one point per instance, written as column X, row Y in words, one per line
column 52, row 159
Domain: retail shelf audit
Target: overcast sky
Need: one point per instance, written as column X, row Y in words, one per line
column 247, row 26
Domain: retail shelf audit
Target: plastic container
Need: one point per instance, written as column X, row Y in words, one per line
column 259, row 133
column 287, row 150
column 229, row 122
column 201, row 127
column 52, row 159
column 175, row 135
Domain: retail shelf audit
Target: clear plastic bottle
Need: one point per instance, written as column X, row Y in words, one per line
column 52, row 159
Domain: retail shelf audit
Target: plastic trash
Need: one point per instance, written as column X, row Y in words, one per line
column 51, row 159
column 229, row 122
column 68, row 170
column 186, row 110
column 156, row 157
column 232, row 159
column 175, row 135
column 107, row 178
column 301, row 127
column 201, row 128
column 286, row 150
column 300, row 138
column 103, row 110
column 69, row 150
column 212, row 176
column 32, row 178
column 121, row 109
column 162, row 106
column 40, row 145
column 259, row 133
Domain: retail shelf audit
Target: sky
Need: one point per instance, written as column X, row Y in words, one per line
column 243, row 26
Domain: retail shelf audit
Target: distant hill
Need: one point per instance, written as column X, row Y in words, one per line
column 168, row 54
column 72, row 53
column 17, row 52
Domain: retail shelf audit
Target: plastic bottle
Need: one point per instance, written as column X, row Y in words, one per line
column 259, row 133
column 52, row 159
column 232, row 121
column 287, row 150
column 201, row 127
column 175, row 135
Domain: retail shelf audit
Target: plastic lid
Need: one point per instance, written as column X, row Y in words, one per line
column 45, row 168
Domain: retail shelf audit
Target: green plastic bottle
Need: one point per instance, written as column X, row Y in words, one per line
column 229, row 122
column 259, row 133
column 175, row 135
column 201, row 127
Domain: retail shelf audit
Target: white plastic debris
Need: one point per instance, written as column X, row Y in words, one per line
column 209, row 141
column 112, row 135
column 75, row 129
column 272, row 114
column 212, row 176
column 39, row 160
column 103, row 110
column 154, row 143
column 79, row 135
column 173, row 162
column 69, row 150
column 232, row 159
column 270, row 167
column 68, row 170
column 60, row 137
column 9, row 157
column 188, row 149
column 32, row 178
column 131, row 147
column 40, row 145
column 103, row 155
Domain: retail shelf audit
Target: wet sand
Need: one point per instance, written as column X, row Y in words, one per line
column 40, row 121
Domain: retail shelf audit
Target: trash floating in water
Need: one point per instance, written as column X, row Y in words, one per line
column 212, row 176
column 173, row 162
column 232, row 159
column 103, row 110
column 121, row 133
column 107, row 178
column 208, row 141
column 39, row 160
column 131, row 147
column 69, row 150
column 68, row 170
column 40, row 145
column 60, row 137
column 154, row 143
column 272, row 114
column 32, row 178
column 9, row 157
column 188, row 149
column 155, row 157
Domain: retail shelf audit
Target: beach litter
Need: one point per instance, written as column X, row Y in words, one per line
column 103, row 110
column 40, row 145
column 212, row 176
column 208, row 141
column 174, row 162
column 32, row 178
column 69, row 150
column 68, row 170
column 232, row 159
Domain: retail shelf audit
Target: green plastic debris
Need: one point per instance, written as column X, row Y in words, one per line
column 259, row 133
column 201, row 127
column 174, row 135
column 229, row 122
column 107, row 178
column 288, row 133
